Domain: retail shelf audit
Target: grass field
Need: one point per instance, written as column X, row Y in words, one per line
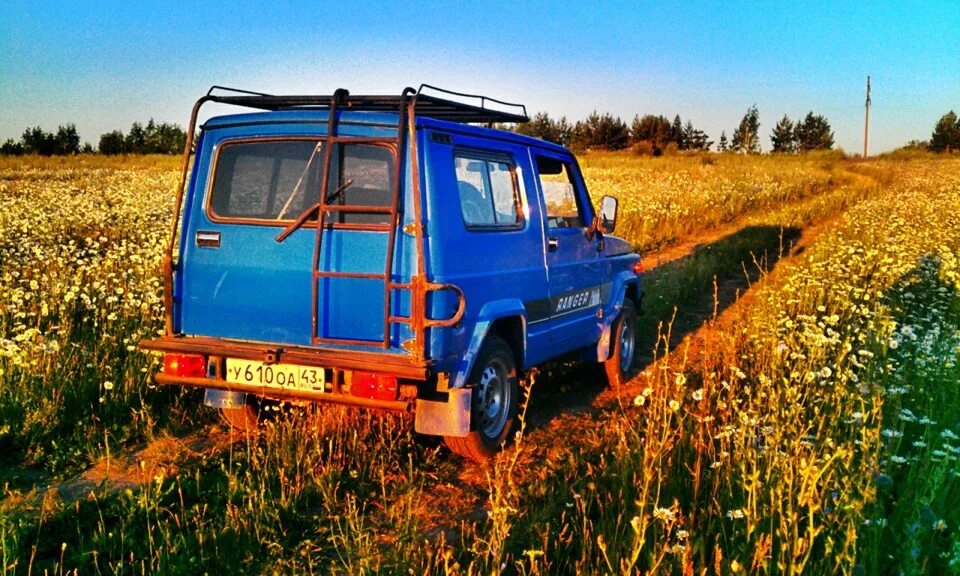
column 797, row 411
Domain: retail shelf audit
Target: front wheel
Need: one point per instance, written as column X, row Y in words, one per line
column 494, row 404
column 623, row 334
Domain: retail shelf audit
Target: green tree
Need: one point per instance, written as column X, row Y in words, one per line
column 36, row 141
column 694, row 139
column 783, row 137
column 676, row 133
column 946, row 134
column 746, row 137
column 112, row 143
column 601, row 132
column 136, row 141
column 653, row 129
column 813, row 133
column 67, row 141
column 722, row 145
column 11, row 148
column 546, row 128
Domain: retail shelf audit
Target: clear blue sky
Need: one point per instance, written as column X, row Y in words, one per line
column 103, row 65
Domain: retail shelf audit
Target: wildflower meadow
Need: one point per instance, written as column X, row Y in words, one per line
column 797, row 408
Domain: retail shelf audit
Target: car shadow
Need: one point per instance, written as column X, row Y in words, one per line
column 680, row 296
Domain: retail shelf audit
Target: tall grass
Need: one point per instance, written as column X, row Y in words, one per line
column 664, row 200
column 813, row 427
column 80, row 251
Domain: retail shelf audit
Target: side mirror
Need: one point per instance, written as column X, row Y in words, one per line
column 608, row 214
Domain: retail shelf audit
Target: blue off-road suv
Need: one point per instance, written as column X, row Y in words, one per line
column 387, row 252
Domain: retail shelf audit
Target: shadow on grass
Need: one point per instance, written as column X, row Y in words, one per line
column 679, row 296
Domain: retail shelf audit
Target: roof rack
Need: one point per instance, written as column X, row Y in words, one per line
column 427, row 105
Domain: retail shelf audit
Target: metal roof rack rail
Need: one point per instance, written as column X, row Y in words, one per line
column 520, row 109
column 426, row 105
column 236, row 90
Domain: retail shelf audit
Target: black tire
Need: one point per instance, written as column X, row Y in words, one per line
column 623, row 341
column 496, row 393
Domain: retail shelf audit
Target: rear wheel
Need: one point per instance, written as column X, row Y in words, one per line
column 494, row 403
column 619, row 366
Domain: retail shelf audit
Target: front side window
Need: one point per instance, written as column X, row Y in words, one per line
column 559, row 193
column 489, row 195
column 277, row 180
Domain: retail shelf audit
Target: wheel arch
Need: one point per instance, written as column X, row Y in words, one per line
column 505, row 318
column 626, row 284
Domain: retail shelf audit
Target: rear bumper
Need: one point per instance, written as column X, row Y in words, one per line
column 309, row 395
column 401, row 366
column 215, row 350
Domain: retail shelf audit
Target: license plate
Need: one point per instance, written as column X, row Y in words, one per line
column 275, row 375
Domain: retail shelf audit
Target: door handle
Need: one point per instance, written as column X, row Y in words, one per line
column 552, row 244
column 208, row 239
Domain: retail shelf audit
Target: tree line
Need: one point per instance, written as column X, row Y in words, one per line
column 152, row 138
column 649, row 134
column 656, row 135
column 653, row 134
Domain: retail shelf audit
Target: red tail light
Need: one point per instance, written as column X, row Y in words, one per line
column 375, row 386
column 185, row 365
column 638, row 267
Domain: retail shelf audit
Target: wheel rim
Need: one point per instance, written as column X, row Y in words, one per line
column 626, row 346
column 495, row 398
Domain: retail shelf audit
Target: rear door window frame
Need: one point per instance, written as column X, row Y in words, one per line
column 212, row 216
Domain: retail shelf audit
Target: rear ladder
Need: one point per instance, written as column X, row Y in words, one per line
column 418, row 286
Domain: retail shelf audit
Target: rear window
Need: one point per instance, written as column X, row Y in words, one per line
column 269, row 180
column 277, row 180
column 369, row 170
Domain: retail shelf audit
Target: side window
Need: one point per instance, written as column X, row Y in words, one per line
column 557, row 183
column 489, row 197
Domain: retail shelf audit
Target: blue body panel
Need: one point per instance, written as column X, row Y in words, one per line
column 254, row 288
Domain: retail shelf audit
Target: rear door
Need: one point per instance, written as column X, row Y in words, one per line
column 239, row 281
column 574, row 263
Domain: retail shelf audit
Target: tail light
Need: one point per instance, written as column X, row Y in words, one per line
column 185, row 365
column 638, row 267
column 375, row 386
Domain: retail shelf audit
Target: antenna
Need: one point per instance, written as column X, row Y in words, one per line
column 866, row 121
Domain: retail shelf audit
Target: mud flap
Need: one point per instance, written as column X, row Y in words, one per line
column 450, row 418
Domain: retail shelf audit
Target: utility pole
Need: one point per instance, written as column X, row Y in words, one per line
column 866, row 122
